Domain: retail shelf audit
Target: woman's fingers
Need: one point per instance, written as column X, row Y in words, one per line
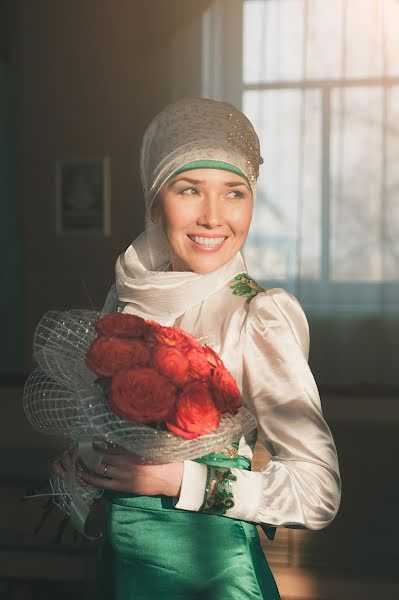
column 107, row 483
column 58, row 468
column 63, row 462
column 117, row 470
column 119, row 456
column 106, row 470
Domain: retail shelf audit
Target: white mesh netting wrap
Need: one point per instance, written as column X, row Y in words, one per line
column 61, row 397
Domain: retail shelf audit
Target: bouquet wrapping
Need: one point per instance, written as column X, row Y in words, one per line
column 120, row 380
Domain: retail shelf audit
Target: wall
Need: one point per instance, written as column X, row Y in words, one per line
column 88, row 76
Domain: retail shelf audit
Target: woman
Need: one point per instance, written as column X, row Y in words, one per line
column 165, row 534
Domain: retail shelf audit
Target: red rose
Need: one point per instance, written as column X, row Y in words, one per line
column 225, row 391
column 171, row 363
column 191, row 341
column 121, row 325
column 212, row 357
column 141, row 395
column 106, row 355
column 199, row 367
column 170, row 336
column 195, row 412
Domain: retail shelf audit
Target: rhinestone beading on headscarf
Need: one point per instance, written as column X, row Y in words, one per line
column 244, row 140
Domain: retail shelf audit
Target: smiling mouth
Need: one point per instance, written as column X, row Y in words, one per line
column 207, row 243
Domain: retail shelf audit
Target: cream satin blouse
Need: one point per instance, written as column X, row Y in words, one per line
column 265, row 345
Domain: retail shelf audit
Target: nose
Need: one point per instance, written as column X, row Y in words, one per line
column 211, row 214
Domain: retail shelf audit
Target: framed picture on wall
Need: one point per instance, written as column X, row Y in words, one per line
column 83, row 196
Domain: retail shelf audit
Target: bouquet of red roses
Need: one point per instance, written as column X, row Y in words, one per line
column 122, row 380
column 161, row 376
column 119, row 379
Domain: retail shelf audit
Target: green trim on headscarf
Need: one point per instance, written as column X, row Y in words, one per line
column 210, row 164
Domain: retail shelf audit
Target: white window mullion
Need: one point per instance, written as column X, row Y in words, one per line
column 222, row 51
column 325, row 187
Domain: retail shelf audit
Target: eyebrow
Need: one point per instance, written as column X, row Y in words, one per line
column 199, row 181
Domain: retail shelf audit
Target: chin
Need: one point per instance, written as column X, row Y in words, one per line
column 203, row 266
column 199, row 263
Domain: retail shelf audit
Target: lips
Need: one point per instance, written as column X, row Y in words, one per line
column 207, row 242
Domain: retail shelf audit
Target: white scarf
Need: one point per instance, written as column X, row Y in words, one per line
column 165, row 295
column 188, row 130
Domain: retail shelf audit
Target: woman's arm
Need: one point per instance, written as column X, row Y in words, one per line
column 300, row 486
column 124, row 471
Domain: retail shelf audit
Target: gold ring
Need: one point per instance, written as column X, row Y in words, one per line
column 105, row 470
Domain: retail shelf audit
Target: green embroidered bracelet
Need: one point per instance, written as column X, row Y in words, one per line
column 218, row 497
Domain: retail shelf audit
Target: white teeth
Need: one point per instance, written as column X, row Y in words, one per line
column 207, row 242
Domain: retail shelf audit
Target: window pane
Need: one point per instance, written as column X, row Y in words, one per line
column 391, row 203
column 273, row 40
column 285, row 230
column 287, row 40
column 391, row 36
column 363, row 56
column 356, row 184
column 344, row 39
column 324, row 44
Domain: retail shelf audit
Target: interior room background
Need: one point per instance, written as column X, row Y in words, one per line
column 320, row 81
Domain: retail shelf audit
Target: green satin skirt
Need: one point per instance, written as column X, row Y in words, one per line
column 152, row 551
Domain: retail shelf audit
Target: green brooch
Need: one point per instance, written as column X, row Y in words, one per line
column 244, row 285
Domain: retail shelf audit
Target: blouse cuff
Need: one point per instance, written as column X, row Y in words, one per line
column 192, row 486
column 247, row 494
column 245, row 486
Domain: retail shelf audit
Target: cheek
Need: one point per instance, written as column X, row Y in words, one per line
column 176, row 218
column 241, row 217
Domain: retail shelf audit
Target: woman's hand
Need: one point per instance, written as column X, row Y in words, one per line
column 63, row 462
column 124, row 471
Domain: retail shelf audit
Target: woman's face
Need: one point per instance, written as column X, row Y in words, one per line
column 206, row 214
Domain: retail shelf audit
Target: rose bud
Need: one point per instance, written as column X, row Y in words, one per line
column 106, row 355
column 171, row 363
column 225, row 391
column 199, row 367
column 212, row 357
column 141, row 395
column 170, row 336
column 191, row 341
column 121, row 325
column 195, row 412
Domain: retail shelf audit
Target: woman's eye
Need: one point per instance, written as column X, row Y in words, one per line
column 189, row 191
column 237, row 194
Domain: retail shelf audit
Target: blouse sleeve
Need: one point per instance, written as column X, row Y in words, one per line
column 300, row 485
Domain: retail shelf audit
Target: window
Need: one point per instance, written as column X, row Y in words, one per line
column 320, row 82
column 319, row 79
